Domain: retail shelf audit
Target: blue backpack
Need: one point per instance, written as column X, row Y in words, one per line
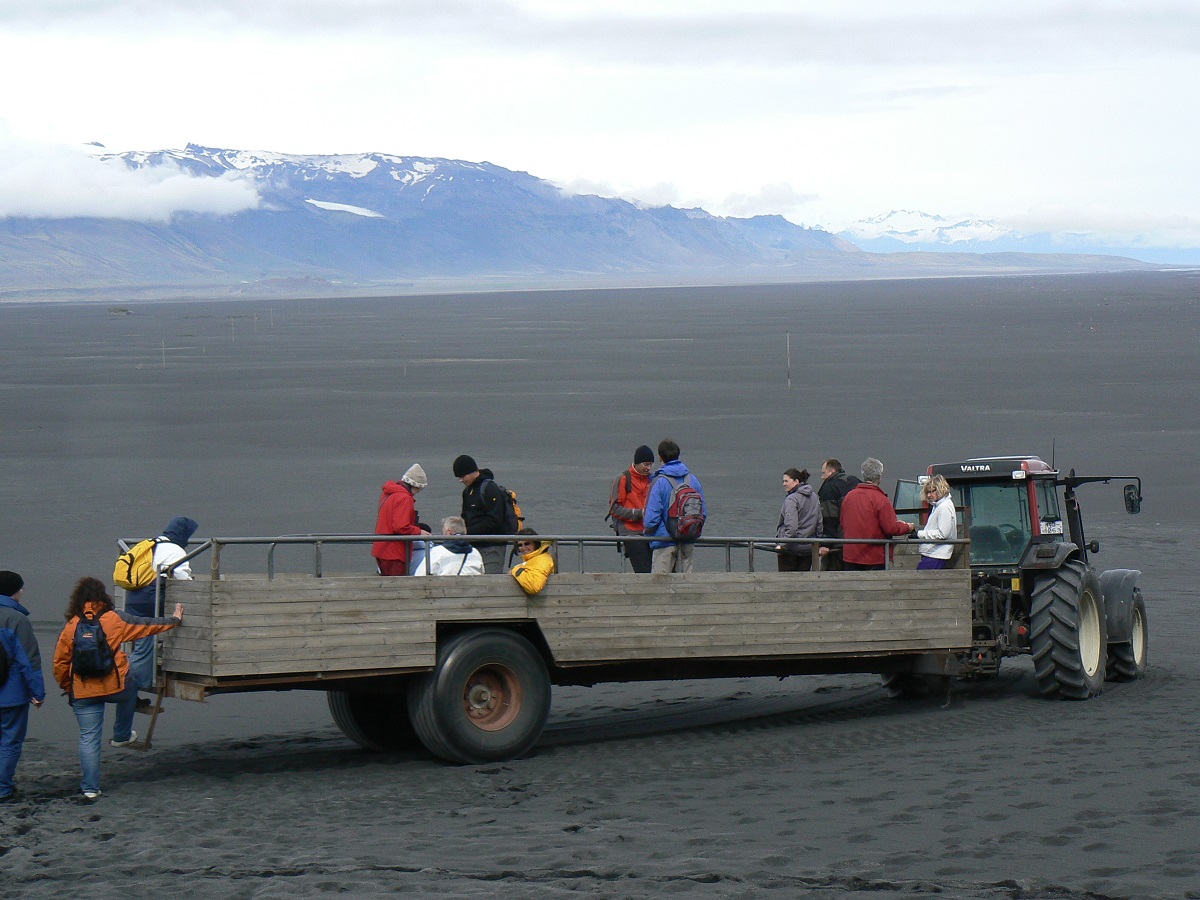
column 92, row 656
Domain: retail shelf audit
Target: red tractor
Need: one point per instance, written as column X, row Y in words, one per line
column 1034, row 590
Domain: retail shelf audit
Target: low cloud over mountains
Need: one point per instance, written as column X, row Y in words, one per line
column 203, row 218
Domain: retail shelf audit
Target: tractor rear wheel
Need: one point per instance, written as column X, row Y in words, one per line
column 373, row 721
column 1069, row 632
column 1127, row 661
column 487, row 700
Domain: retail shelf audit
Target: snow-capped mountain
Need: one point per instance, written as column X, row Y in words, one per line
column 903, row 228
column 376, row 218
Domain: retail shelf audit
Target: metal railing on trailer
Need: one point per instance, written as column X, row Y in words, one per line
column 753, row 547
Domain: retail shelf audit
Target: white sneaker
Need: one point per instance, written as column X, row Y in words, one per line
column 91, row 795
column 132, row 739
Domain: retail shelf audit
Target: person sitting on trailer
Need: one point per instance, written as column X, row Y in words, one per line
column 453, row 557
column 536, row 566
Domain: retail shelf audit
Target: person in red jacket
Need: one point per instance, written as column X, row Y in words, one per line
column 89, row 695
column 868, row 514
column 398, row 515
column 627, row 504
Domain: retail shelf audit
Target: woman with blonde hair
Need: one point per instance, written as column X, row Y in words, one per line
column 941, row 525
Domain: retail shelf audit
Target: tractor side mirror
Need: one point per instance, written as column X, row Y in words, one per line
column 1133, row 500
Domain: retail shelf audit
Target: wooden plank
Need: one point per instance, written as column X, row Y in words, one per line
column 281, row 646
column 231, row 667
column 784, row 610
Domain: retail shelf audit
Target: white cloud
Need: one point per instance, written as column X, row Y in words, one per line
column 1108, row 224
column 40, row 180
column 875, row 32
column 778, row 199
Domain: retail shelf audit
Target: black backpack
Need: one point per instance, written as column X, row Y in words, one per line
column 4, row 665
column 513, row 517
column 92, row 656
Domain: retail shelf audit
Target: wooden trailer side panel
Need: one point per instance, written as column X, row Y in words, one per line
column 246, row 626
column 590, row 619
column 252, row 626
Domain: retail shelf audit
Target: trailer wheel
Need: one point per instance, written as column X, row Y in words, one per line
column 487, row 700
column 1127, row 661
column 902, row 685
column 373, row 721
column 1069, row 632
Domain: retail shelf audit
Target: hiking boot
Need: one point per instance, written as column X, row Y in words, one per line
column 132, row 739
column 144, row 705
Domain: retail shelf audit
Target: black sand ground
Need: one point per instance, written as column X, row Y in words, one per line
column 282, row 417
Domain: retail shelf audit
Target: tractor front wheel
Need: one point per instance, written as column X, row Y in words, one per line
column 1069, row 632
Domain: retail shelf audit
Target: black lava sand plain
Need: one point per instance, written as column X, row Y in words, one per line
column 271, row 417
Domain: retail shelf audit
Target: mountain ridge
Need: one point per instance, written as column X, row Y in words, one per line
column 365, row 220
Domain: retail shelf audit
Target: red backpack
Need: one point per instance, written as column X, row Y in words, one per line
column 685, row 512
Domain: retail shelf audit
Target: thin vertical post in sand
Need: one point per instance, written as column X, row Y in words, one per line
column 789, row 358
column 164, row 354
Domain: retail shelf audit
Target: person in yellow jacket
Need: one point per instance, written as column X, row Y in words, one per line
column 88, row 695
column 536, row 566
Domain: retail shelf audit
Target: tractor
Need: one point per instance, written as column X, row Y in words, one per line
column 1033, row 588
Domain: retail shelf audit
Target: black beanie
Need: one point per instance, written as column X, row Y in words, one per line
column 643, row 454
column 464, row 465
column 10, row 583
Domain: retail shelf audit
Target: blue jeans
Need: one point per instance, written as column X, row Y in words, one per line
column 14, row 722
column 90, row 713
column 141, row 663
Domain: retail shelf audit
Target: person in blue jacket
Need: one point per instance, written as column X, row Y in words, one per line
column 668, row 555
column 24, row 684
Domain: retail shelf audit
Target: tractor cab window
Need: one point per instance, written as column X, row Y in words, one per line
column 908, row 497
column 1000, row 525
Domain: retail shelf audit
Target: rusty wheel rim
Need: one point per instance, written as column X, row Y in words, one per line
column 492, row 697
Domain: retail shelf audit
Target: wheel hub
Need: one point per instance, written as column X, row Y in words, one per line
column 492, row 697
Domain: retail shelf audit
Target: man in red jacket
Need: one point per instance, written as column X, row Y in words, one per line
column 867, row 514
column 398, row 515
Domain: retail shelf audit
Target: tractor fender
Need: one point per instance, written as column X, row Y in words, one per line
column 1118, row 587
column 1050, row 555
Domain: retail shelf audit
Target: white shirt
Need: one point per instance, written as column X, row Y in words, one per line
column 165, row 553
column 943, row 523
column 446, row 562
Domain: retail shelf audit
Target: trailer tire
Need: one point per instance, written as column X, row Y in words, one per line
column 1127, row 661
column 487, row 700
column 902, row 685
column 376, row 722
column 1069, row 632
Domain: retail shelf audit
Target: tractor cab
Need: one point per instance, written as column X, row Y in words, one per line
column 1006, row 504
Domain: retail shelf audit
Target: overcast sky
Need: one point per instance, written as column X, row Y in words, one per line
column 1070, row 115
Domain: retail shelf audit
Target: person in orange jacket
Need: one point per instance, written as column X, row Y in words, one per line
column 627, row 503
column 87, row 696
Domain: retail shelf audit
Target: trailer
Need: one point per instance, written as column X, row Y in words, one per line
column 466, row 665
